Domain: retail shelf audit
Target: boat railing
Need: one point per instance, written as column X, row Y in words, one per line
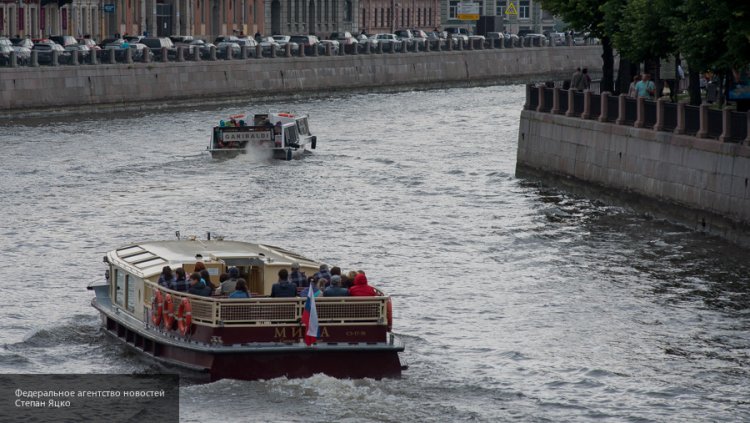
column 264, row 311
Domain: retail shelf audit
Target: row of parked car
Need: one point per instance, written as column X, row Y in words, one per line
column 156, row 47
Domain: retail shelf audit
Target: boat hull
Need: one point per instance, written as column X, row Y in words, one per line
column 293, row 360
column 276, row 153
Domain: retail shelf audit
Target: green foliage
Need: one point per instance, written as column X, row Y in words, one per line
column 709, row 33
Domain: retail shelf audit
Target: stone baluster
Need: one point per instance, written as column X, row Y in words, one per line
column 164, row 55
column 571, row 104
column 288, row 50
column 555, row 101
column 621, row 105
column 471, row 44
column 180, row 54
column 258, row 52
column 243, row 52
column 680, row 127
column 659, row 125
column 521, row 42
column 569, row 40
column 229, row 53
column 301, row 51
column 380, row 48
column 273, row 51
column 342, row 49
column 586, row 104
column 92, row 57
column 74, row 58
column 328, row 49
column 196, row 54
column 540, row 103
column 640, row 112
column 603, row 106
column 112, row 52
column 703, row 119
column 449, row 41
column 427, row 45
column 146, row 55
column 55, row 57
column 726, row 125
column 212, row 53
column 13, row 59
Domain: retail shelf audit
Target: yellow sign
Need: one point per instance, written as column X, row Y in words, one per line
column 467, row 11
column 511, row 10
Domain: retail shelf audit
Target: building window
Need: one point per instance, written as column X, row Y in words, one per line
column 452, row 9
column 500, row 7
column 364, row 18
column 376, row 17
column 382, row 17
column 288, row 11
column 348, row 11
column 430, row 17
column 523, row 9
column 296, row 10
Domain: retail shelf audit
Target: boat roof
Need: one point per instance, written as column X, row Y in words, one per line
column 146, row 259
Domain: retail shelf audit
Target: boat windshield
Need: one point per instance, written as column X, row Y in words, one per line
column 292, row 137
column 302, row 126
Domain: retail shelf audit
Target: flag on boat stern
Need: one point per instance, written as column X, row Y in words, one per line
column 310, row 319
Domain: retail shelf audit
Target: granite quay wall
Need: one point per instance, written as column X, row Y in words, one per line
column 31, row 89
column 625, row 150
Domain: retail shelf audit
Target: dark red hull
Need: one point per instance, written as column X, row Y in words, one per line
column 292, row 360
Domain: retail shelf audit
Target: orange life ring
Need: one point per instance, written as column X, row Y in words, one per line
column 156, row 307
column 184, row 316
column 168, row 311
column 285, row 114
column 389, row 314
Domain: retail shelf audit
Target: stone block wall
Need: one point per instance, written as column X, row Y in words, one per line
column 28, row 88
column 697, row 173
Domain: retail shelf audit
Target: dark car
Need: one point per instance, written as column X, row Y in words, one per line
column 308, row 42
column 64, row 40
column 156, row 45
column 83, row 51
column 44, row 49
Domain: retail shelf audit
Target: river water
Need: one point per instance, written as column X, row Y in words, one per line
column 516, row 300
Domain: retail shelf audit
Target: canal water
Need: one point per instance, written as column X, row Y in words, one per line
column 516, row 299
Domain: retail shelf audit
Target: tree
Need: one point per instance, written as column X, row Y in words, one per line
column 588, row 16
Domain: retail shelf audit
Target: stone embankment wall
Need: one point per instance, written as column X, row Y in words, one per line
column 30, row 89
column 705, row 176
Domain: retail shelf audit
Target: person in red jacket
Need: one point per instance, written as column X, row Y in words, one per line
column 360, row 288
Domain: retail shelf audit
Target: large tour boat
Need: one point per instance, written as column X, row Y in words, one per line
column 250, row 338
column 282, row 135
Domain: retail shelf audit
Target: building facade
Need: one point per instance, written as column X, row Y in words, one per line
column 529, row 17
column 378, row 16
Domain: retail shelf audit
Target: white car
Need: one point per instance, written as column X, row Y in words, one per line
column 390, row 42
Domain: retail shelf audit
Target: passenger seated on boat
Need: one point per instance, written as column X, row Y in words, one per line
column 198, row 286
column 166, row 277
column 316, row 291
column 229, row 285
column 207, row 279
column 323, row 273
column 283, row 288
column 360, row 288
column 180, row 282
column 298, row 277
column 349, row 279
column 336, row 290
column 240, row 290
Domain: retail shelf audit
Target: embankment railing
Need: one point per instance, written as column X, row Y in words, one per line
column 660, row 115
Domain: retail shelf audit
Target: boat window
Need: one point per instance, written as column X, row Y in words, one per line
column 291, row 135
column 131, row 283
column 153, row 262
column 302, row 126
column 120, row 280
column 139, row 257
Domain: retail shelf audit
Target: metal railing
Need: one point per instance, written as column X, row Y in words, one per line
column 701, row 121
column 263, row 311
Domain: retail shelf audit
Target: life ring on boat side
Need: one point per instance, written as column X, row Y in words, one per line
column 156, row 307
column 168, row 311
column 184, row 316
column 286, row 115
column 389, row 313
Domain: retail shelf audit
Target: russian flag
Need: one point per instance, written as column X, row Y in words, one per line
column 310, row 319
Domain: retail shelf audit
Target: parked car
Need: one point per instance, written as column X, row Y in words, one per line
column 83, row 51
column 344, row 38
column 44, row 48
column 89, row 42
column 64, row 40
column 223, row 47
column 283, row 40
column 119, row 45
column 249, row 44
column 203, row 46
column 390, row 42
column 535, row 39
column 226, row 38
column 5, row 50
column 408, row 38
column 22, row 42
column 458, row 33
column 268, row 44
column 334, row 46
column 156, row 44
column 308, row 42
